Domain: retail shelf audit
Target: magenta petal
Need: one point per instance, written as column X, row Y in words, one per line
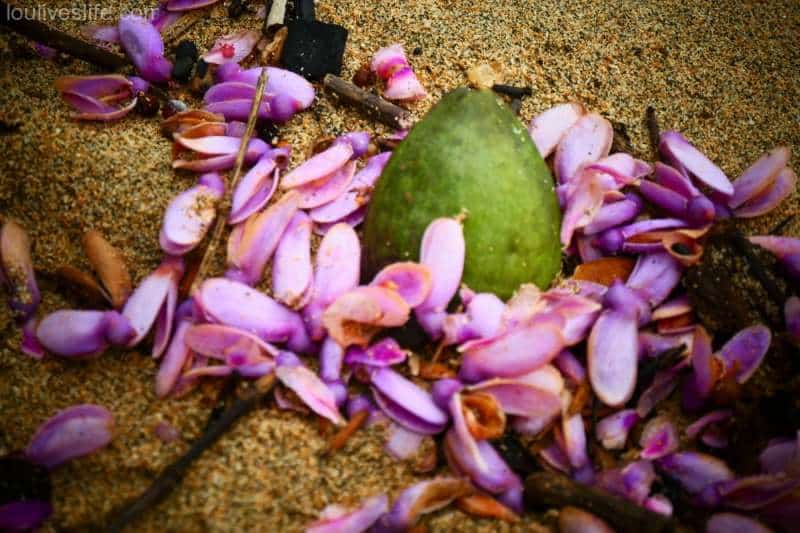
column 759, row 176
column 91, row 109
column 254, row 190
column 174, row 359
column 251, row 247
column 587, row 141
column 791, row 314
column 492, row 474
column 731, row 522
column 404, row 85
column 356, row 196
column 614, row 214
column 745, row 351
column 146, row 301
column 613, row 356
column 73, row 432
column 187, row 219
column 30, row 345
column 318, row 166
column 234, row 304
column 292, row 272
column 309, row 388
column 676, row 147
column 388, row 59
column 695, row 471
column 655, row 275
column 612, row 431
column 784, row 185
column 232, row 48
column 412, row 281
column 442, row 250
column 402, row 444
column 142, row 42
column 385, row 352
column 406, row 403
column 70, row 333
column 337, row 271
column 659, row 438
column 335, row 519
column 513, row 353
column 238, row 108
column 633, row 481
column 328, row 188
column 547, row 128
column 229, row 90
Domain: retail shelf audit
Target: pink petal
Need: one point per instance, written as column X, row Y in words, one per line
column 95, row 86
column 386, row 352
column 404, row 85
column 73, row 432
column 328, row 188
column 216, row 340
column 239, row 108
column 659, row 438
column 406, row 403
column 356, row 316
column 142, row 42
column 309, row 388
column 402, row 444
column 783, row 186
column 412, row 281
column 623, row 167
column 676, row 147
column 254, row 190
column 333, row 519
column 357, row 195
column 280, row 82
column 613, row 356
column 745, row 351
column 482, row 320
column 548, row 128
column 587, row 141
column 187, row 219
column 241, row 42
column 318, row 166
column 520, row 398
column 612, row 431
column 174, row 360
column 229, row 90
column 71, row 333
column 759, row 176
column 250, row 249
column 222, row 145
column 292, row 272
column 337, row 271
column 388, row 59
column 146, row 301
column 584, row 204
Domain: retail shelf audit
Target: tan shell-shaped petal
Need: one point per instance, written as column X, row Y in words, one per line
column 109, row 264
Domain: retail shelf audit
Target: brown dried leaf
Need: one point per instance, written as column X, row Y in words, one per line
column 484, row 506
column 605, row 271
column 109, row 264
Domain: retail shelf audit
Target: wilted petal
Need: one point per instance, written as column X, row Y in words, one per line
column 759, row 176
column 587, row 141
column 188, row 217
column 250, row 249
column 491, row 473
column 574, row 520
column 318, row 166
column 151, row 296
column 338, row 263
column 548, row 128
column 659, row 438
column 612, row 357
column 16, row 269
column 744, row 352
column 442, row 250
column 406, row 403
column 73, row 432
column 515, row 352
column 232, row 48
column 424, row 497
column 784, row 185
column 695, row 471
column 732, row 522
column 186, row 119
column 95, row 86
column 356, row 316
column 328, row 188
column 217, row 341
column 412, row 281
column 662, row 386
column 402, row 444
column 613, row 430
column 234, row 304
column 334, row 519
column 309, row 388
column 255, row 189
column 142, row 42
column 292, row 272
column 655, row 275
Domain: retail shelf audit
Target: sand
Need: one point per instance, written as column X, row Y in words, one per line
column 727, row 74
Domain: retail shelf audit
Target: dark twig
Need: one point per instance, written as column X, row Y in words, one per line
column 61, row 41
column 175, row 472
column 511, row 90
column 547, row 489
column 648, row 370
column 757, row 268
column 652, row 129
column 372, row 104
column 223, row 397
column 777, row 230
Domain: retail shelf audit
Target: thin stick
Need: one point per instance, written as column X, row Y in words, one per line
column 511, row 90
column 175, row 472
column 183, row 24
column 225, row 206
column 63, row 42
column 652, row 128
column 341, row 437
column 372, row 104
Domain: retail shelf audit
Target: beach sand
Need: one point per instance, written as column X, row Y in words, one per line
column 726, row 74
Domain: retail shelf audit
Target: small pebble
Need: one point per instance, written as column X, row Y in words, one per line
column 364, row 76
column 484, row 76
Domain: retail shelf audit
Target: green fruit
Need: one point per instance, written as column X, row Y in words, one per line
column 470, row 155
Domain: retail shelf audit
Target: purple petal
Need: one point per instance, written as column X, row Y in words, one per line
column 491, row 474
column 753, row 492
column 548, row 128
column 662, row 386
column 424, row 497
column 73, row 432
column 16, row 269
column 670, row 201
column 612, row 357
column 406, row 403
column 584, row 202
column 386, row 352
column 697, row 427
column 232, row 48
column 279, row 82
column 292, row 272
column 234, row 304
column 570, row 367
column 337, row 271
column 791, row 313
column 659, row 438
column 677, row 148
column 24, row 515
column 353, row 220
column 613, row 430
column 188, row 217
column 358, row 140
column 744, row 352
column 309, row 388
column 555, row 458
column 70, row 333
column 673, row 179
column 334, row 519
column 587, row 141
column 174, row 360
column 255, row 188
column 357, row 195
column 442, row 250
column 655, row 275
column 731, row 522
column 513, row 353
column 29, row 345
column 575, row 441
column 150, row 296
column 328, row 188
column 614, row 214
column 574, row 520
column 142, row 42
column 330, row 360
column 443, row 390
column 623, row 167
column 482, row 320
column 784, row 185
column 239, row 108
column 319, row 166
column 251, row 247
column 695, row 471
column 633, row 481
column 759, row 176
column 402, row 444
column 412, row 281
column 229, row 90
column 780, row 455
